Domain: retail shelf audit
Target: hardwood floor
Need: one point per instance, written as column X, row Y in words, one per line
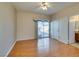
column 43, row 48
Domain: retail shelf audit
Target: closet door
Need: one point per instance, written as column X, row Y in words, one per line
column 55, row 29
column 52, row 29
column 63, row 30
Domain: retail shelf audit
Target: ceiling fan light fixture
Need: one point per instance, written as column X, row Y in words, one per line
column 44, row 5
column 44, row 8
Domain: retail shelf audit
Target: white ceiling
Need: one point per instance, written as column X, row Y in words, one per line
column 35, row 7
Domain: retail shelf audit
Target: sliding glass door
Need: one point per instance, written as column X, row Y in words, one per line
column 43, row 29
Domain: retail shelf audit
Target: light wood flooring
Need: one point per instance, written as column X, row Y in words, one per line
column 43, row 48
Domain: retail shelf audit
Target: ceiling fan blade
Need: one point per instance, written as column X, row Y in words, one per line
column 51, row 5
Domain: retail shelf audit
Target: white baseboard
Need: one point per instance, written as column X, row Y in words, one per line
column 24, row 39
column 10, row 49
column 60, row 41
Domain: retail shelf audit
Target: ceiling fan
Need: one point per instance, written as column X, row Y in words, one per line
column 45, row 5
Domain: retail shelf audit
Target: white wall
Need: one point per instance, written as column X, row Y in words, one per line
column 26, row 25
column 64, row 15
column 7, row 28
column 76, row 18
column 60, row 29
column 72, row 29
